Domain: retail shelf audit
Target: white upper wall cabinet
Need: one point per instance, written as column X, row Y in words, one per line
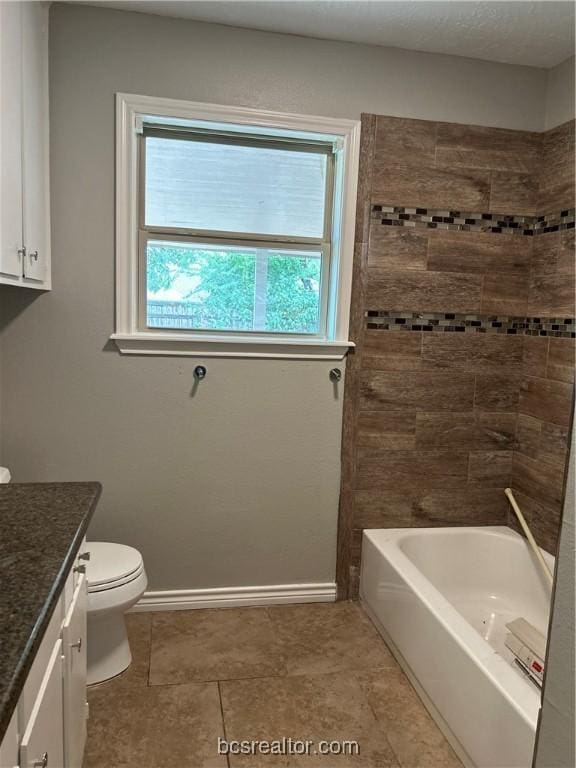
column 24, row 188
column 11, row 142
column 35, row 141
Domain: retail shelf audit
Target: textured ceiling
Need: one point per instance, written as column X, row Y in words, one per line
column 539, row 34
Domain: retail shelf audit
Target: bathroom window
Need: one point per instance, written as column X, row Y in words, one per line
column 234, row 236
column 235, row 232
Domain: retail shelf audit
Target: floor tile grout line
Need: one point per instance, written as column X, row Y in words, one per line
column 148, row 685
column 223, row 719
column 379, row 721
column 340, row 671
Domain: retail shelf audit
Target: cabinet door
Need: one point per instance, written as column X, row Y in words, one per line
column 43, row 741
column 10, row 142
column 35, row 142
column 9, row 746
column 33, row 682
column 74, row 649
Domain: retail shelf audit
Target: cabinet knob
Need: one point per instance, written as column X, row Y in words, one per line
column 77, row 644
column 34, row 255
column 22, row 251
column 79, row 569
column 43, row 762
column 84, row 556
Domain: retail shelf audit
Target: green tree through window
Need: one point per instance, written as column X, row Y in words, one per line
column 218, row 287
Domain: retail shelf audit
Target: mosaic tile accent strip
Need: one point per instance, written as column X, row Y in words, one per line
column 453, row 322
column 554, row 222
column 465, row 221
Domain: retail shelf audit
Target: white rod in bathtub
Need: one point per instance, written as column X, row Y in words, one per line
column 531, row 540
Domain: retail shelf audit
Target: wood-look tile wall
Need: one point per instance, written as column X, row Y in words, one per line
column 430, row 418
column 546, row 393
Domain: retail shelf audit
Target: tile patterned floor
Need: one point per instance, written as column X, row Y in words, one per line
column 318, row 672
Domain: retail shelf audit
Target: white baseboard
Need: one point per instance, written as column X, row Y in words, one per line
column 235, row 597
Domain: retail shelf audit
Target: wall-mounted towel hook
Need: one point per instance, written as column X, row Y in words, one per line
column 200, row 372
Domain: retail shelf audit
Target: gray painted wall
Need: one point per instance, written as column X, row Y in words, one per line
column 237, row 485
column 157, row 55
column 560, row 93
column 556, row 742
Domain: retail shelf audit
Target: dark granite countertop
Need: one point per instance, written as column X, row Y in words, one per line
column 41, row 528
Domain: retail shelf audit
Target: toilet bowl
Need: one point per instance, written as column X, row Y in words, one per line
column 116, row 581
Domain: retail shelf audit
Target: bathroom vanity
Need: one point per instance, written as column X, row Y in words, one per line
column 43, row 707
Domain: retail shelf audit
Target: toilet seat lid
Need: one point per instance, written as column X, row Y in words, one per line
column 110, row 563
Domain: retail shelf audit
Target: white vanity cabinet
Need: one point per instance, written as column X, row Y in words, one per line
column 10, row 746
column 48, row 729
column 75, row 706
column 24, row 167
column 42, row 744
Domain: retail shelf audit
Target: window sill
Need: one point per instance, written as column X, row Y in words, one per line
column 176, row 344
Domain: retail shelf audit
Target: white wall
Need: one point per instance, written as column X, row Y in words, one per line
column 239, row 484
column 560, row 93
column 556, row 741
column 555, row 745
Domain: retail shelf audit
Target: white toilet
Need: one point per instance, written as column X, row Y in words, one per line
column 116, row 581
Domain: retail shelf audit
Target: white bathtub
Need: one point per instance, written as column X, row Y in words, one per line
column 441, row 598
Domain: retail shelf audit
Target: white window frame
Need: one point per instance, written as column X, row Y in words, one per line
column 131, row 111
